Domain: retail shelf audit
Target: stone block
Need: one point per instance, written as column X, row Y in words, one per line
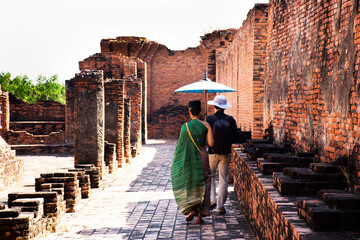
column 341, row 199
column 324, row 168
column 252, row 142
column 10, row 213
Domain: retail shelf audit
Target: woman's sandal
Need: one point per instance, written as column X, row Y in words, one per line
column 191, row 216
column 199, row 219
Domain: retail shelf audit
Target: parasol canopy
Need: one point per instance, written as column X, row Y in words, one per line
column 205, row 86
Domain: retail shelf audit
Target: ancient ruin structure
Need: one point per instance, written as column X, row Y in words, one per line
column 241, row 66
column 166, row 70
column 11, row 168
column 295, row 66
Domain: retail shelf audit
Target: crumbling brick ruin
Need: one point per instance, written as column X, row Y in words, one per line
column 166, row 70
column 295, row 66
column 11, row 167
column 241, row 66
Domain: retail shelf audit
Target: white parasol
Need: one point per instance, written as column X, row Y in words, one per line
column 205, row 86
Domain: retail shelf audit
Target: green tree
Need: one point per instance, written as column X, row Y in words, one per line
column 44, row 89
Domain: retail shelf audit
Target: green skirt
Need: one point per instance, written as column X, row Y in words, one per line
column 187, row 172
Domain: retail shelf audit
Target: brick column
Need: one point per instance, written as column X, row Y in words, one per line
column 114, row 116
column 133, row 89
column 127, row 121
column 69, row 111
column 89, row 119
column 4, row 112
column 120, row 124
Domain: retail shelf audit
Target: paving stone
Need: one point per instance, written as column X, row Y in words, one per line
column 136, row 202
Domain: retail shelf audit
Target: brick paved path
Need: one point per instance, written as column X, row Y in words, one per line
column 137, row 203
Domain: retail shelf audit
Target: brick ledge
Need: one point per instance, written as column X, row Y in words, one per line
column 271, row 215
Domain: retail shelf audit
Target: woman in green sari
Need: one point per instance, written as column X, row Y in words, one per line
column 190, row 171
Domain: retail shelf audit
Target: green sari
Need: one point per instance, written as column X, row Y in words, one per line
column 187, row 172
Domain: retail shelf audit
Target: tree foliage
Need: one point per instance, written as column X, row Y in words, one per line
column 44, row 89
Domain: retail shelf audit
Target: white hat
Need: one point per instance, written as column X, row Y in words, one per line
column 220, row 101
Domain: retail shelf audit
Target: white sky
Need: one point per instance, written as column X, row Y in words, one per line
column 47, row 37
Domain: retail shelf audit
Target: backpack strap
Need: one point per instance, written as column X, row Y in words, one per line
column 204, row 154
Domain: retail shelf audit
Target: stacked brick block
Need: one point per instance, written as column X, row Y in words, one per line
column 31, row 213
column 92, row 171
column 242, row 67
column 16, row 225
column 275, row 216
column 68, row 181
column 54, row 205
column 84, row 181
column 312, row 74
column 335, row 210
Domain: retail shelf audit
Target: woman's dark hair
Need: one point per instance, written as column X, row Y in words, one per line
column 195, row 107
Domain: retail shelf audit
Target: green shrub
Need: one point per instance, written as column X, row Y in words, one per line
column 44, row 89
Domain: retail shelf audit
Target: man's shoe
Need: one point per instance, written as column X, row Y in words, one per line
column 221, row 211
column 213, row 205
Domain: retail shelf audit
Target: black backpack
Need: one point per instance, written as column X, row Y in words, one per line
column 222, row 136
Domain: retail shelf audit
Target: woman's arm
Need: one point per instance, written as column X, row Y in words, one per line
column 210, row 138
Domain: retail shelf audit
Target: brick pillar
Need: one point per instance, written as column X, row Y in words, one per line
column 114, row 116
column 120, row 123
column 4, row 112
column 142, row 73
column 69, row 111
column 127, row 121
column 110, row 156
column 89, row 119
column 133, row 89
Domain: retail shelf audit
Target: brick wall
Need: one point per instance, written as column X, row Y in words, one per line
column 312, row 77
column 11, row 168
column 41, row 111
column 167, row 70
column 242, row 67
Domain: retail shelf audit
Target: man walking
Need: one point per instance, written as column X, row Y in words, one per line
column 225, row 133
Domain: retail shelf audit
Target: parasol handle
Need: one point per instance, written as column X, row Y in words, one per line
column 205, row 92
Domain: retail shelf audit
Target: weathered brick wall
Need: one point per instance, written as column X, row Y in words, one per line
column 26, row 138
column 312, row 77
column 40, row 123
column 41, row 111
column 242, row 67
column 168, row 70
column 38, row 127
column 11, row 168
